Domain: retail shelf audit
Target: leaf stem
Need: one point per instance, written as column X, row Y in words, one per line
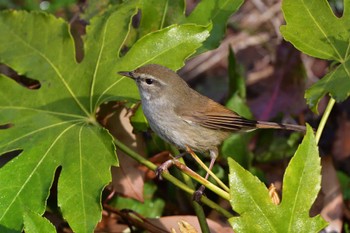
column 134, row 155
column 201, row 217
column 200, row 162
column 170, row 178
column 198, row 208
column 324, row 119
column 225, row 195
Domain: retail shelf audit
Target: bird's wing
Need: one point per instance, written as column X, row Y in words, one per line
column 215, row 116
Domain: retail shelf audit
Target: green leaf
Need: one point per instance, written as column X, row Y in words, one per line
column 315, row 30
column 175, row 44
column 301, row 184
column 35, row 5
column 139, row 121
column 237, row 103
column 236, row 147
column 344, row 181
column 55, row 125
column 272, row 148
column 150, row 208
column 216, row 12
column 34, row 223
column 236, row 77
column 95, row 7
column 162, row 13
column 157, row 14
column 237, row 88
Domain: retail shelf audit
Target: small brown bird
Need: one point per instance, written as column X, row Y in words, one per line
column 185, row 118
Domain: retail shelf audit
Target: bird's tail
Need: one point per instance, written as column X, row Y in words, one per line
column 273, row 125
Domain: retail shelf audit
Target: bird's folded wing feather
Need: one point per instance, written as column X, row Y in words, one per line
column 214, row 116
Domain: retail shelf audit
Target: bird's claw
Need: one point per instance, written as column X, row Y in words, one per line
column 197, row 195
column 163, row 168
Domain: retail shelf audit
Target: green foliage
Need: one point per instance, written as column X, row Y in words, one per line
column 160, row 13
column 34, row 223
column 48, row 6
column 344, row 181
column 272, row 148
column 157, row 14
column 236, row 146
column 236, row 81
column 301, row 183
column 139, row 121
column 216, row 12
column 313, row 28
column 55, row 125
column 151, row 208
column 96, row 7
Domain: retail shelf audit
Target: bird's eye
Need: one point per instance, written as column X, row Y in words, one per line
column 149, row 81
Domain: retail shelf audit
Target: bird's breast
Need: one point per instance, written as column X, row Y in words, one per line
column 165, row 122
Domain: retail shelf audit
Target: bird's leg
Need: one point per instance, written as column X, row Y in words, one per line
column 199, row 192
column 167, row 164
column 213, row 155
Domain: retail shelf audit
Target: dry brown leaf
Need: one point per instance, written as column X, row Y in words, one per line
column 127, row 179
column 332, row 210
column 341, row 145
column 185, row 227
column 157, row 159
column 274, row 195
column 109, row 223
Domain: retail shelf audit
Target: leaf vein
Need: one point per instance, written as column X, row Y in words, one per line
column 55, row 68
column 323, row 32
column 97, row 64
column 33, row 171
column 42, row 111
column 37, row 131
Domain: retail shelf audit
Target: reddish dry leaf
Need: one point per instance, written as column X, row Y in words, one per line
column 127, row 179
column 109, row 223
column 332, row 210
column 341, row 146
column 157, row 159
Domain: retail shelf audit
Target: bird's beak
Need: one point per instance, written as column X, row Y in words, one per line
column 129, row 74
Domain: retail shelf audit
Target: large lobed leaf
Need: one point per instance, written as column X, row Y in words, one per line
column 315, row 30
column 55, row 125
column 301, row 184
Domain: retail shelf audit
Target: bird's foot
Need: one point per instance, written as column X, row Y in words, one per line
column 164, row 168
column 167, row 164
column 197, row 195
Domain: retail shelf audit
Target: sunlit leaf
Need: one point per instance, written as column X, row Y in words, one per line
column 34, row 223
column 216, row 12
column 55, row 125
column 312, row 27
column 301, row 184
